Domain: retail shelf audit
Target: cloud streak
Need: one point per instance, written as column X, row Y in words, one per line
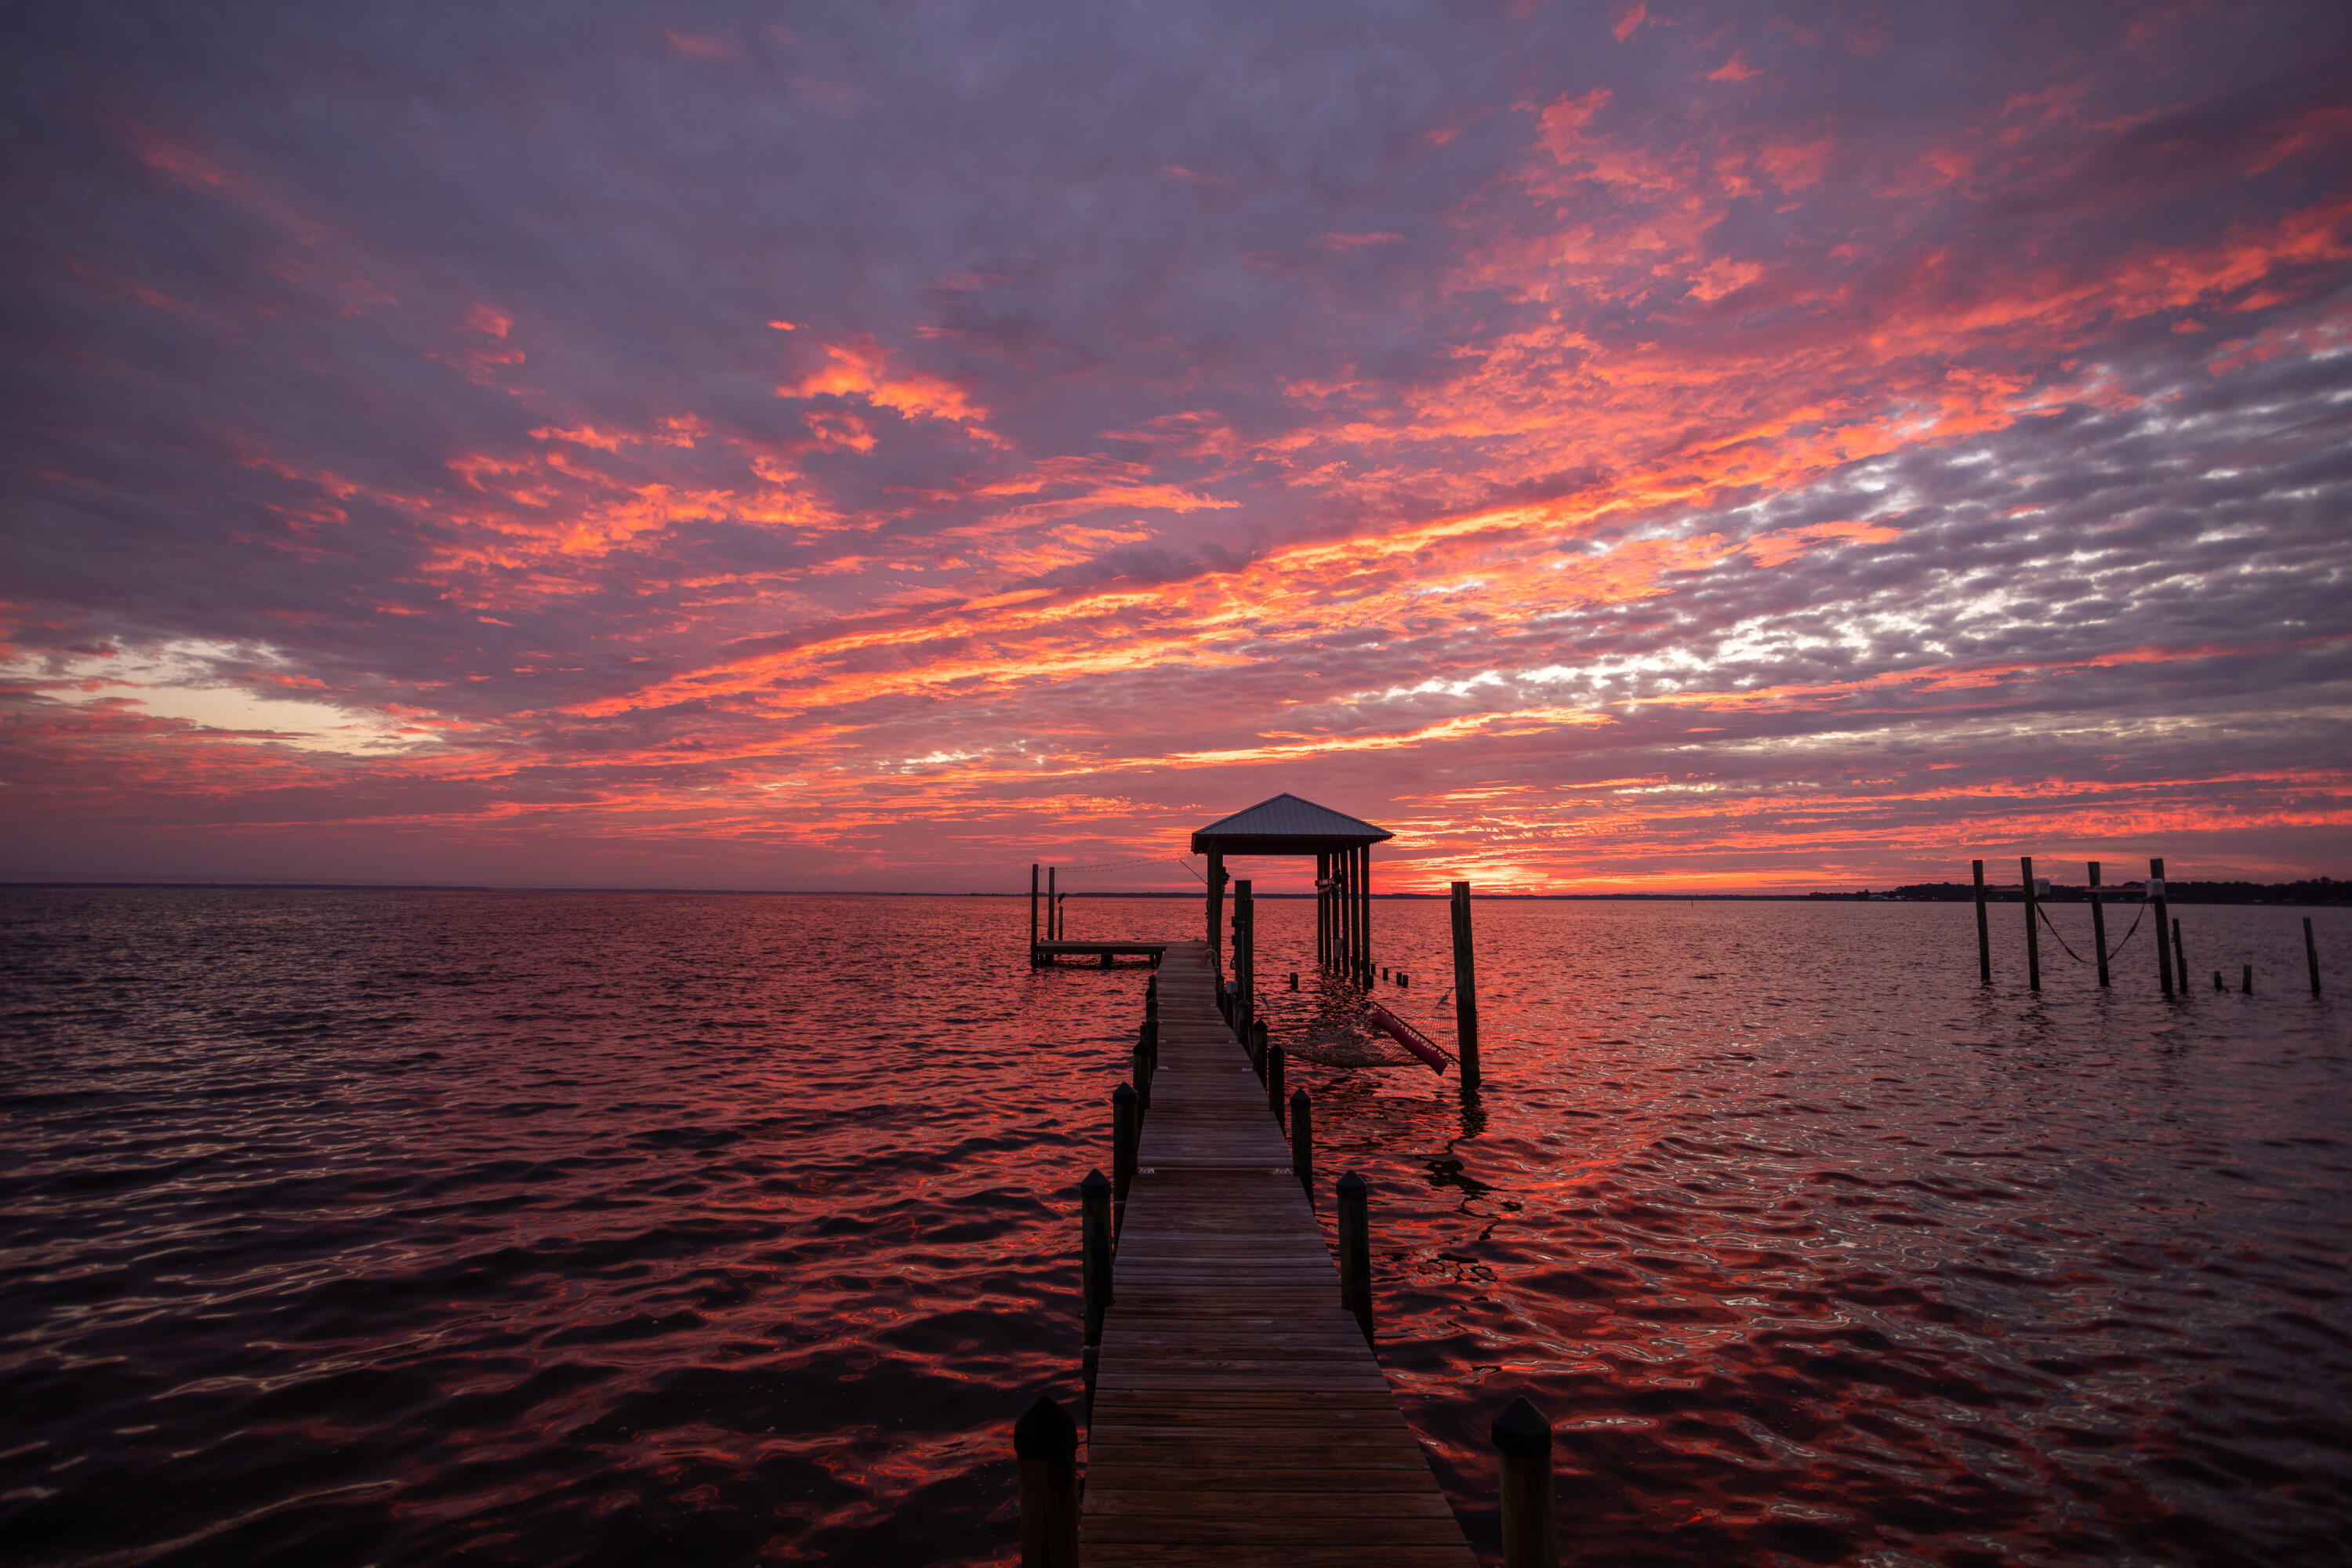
column 1609, row 445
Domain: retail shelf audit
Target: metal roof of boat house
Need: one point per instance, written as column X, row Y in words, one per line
column 1286, row 826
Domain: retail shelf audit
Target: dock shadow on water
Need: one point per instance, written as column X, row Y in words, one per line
column 604, row 1228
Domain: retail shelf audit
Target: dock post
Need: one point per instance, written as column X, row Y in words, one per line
column 1466, row 989
column 1094, row 1253
column 1033, row 914
column 1530, row 1532
column 1294, row 980
column 1216, row 879
column 1244, row 953
column 1302, row 1141
column 1356, row 1250
column 2246, row 987
column 1984, row 932
column 2217, row 982
column 2033, row 935
column 1045, row 1442
column 1367, row 853
column 2179, row 957
column 1322, row 910
column 2311, row 954
column 2163, row 948
column 1141, row 1073
column 1274, row 1081
column 1123, row 1131
column 2099, row 925
column 1258, row 1045
column 1052, row 903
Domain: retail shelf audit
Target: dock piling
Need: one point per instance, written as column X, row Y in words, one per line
column 2311, row 954
column 1984, row 932
column 2179, row 958
column 1045, row 1442
column 1274, row 1081
column 1302, row 1141
column 2099, row 926
column 1356, row 1249
column 1033, row 914
column 1466, row 989
column 1094, row 1253
column 1531, row 1529
column 2163, row 948
column 1259, row 1045
column 1124, row 1132
column 1139, row 1072
column 2217, row 982
column 2032, row 933
column 2246, row 987
column 1294, row 980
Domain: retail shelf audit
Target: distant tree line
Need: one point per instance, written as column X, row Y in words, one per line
column 2316, row 890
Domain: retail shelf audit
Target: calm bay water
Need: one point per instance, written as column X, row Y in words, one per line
column 613, row 1228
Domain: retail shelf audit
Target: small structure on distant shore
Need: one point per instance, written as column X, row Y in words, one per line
column 1342, row 847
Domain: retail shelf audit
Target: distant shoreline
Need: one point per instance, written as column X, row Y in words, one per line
column 2317, row 893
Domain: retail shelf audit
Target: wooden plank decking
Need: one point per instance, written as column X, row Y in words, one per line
column 1239, row 1417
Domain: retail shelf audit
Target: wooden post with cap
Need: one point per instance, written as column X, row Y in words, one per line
column 1465, row 988
column 1045, row 1442
column 1094, row 1253
column 1302, row 1141
column 1984, row 932
column 1530, row 1532
column 2032, row 934
column 1124, row 1132
column 2099, row 925
column 2163, row 948
column 1356, row 1249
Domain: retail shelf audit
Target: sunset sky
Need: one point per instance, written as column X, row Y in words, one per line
column 1637, row 445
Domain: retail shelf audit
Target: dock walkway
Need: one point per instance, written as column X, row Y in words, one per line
column 1239, row 1416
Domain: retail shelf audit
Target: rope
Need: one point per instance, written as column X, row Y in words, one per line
column 2053, row 931
column 2128, row 935
column 2043, row 912
column 1123, row 865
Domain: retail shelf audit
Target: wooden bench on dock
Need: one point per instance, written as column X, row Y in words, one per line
column 1239, row 1415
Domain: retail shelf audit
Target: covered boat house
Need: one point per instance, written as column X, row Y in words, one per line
column 1342, row 847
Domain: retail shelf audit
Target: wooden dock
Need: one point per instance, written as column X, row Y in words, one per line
column 1239, row 1415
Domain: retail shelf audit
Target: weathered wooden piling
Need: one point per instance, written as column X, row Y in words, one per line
column 1984, row 931
column 2032, row 932
column 2163, row 949
column 2311, row 954
column 2217, row 985
column 2246, row 986
column 1139, row 1073
column 2179, row 957
column 1404, row 981
column 2099, row 924
column 1466, row 989
column 1356, row 1249
column 1302, row 1141
column 1258, row 1046
column 1294, row 980
column 1124, row 1131
column 1053, row 903
column 1045, row 1445
column 1530, row 1529
column 1094, row 1251
column 1273, row 1081
column 1034, row 956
